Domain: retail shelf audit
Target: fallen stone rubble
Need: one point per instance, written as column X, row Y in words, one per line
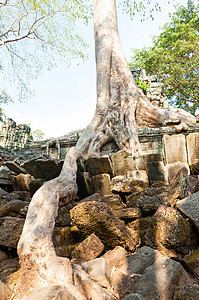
column 135, row 239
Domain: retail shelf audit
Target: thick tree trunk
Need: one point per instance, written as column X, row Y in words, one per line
column 121, row 105
column 121, row 108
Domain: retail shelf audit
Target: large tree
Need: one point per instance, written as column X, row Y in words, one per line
column 121, row 108
column 174, row 57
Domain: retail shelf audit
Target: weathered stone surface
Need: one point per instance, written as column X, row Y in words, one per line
column 190, row 207
column 192, row 262
column 65, row 239
column 99, row 270
column 8, row 266
column 122, row 284
column 122, row 162
column 89, row 288
column 178, row 186
column 35, row 185
column 187, row 292
column 134, row 296
column 15, row 167
column 194, row 167
column 114, row 201
column 156, row 171
column 63, row 218
column 128, row 213
column 139, row 175
column 132, row 200
column 101, row 184
column 5, row 292
column 52, row 292
column 160, row 279
column 3, row 255
column 149, row 205
column 173, row 169
column 193, row 147
column 10, row 231
column 96, row 166
column 167, row 231
column 176, row 142
column 116, row 257
column 122, row 184
column 12, row 208
column 89, row 249
column 21, row 195
column 99, row 218
column 42, row 168
column 193, row 186
column 93, row 197
column 22, row 182
column 137, row 263
column 84, row 183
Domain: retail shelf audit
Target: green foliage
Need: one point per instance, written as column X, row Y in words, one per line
column 174, row 57
column 35, row 33
column 142, row 85
column 37, row 134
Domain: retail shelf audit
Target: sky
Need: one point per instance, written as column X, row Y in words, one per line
column 65, row 98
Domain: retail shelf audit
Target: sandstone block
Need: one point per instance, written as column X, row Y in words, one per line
column 138, row 175
column 101, row 184
column 190, row 207
column 116, row 257
column 178, row 186
column 22, row 182
column 193, row 147
column 122, row 184
column 65, row 239
column 187, row 292
column 175, row 148
column 10, row 231
column 114, row 201
column 56, row 292
column 13, row 208
column 96, row 166
column 128, row 213
column 194, row 167
column 137, row 263
column 160, row 279
column 173, row 169
column 96, row 217
column 192, row 261
column 122, row 162
column 132, row 200
column 134, row 296
column 156, row 171
column 99, row 270
column 89, row 249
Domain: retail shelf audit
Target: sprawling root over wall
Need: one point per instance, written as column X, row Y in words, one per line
column 121, row 108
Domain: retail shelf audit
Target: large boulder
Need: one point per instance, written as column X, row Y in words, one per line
column 167, row 231
column 10, row 231
column 13, row 208
column 99, row 218
column 160, row 279
column 187, row 292
column 190, row 208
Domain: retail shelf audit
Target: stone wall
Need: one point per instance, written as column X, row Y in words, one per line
column 13, row 136
column 164, row 151
column 155, row 89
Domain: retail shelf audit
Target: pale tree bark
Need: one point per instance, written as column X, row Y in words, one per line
column 121, row 108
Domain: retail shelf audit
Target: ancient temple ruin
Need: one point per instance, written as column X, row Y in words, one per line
column 13, row 136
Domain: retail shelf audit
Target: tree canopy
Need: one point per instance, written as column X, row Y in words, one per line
column 174, row 57
column 33, row 33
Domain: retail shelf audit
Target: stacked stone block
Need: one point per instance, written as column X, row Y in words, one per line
column 14, row 136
